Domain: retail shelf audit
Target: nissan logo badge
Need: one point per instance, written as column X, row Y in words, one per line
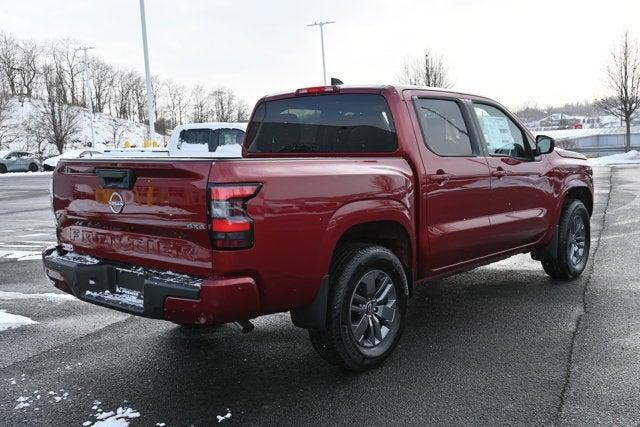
column 116, row 203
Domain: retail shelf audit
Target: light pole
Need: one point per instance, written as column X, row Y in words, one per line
column 321, row 25
column 87, row 89
column 150, row 111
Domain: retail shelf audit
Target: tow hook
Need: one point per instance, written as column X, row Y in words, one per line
column 245, row 326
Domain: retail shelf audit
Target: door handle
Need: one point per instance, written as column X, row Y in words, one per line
column 439, row 176
column 499, row 172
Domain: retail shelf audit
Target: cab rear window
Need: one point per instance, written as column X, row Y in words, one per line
column 338, row 123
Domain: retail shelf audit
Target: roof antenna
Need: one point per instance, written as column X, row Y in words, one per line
column 336, row 82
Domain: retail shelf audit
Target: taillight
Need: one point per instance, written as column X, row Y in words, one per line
column 231, row 226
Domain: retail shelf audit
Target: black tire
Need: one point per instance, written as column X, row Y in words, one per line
column 33, row 167
column 3, row 169
column 567, row 265
column 351, row 265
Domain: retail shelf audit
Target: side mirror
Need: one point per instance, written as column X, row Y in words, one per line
column 545, row 144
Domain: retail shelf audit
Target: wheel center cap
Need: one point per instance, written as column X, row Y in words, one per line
column 369, row 308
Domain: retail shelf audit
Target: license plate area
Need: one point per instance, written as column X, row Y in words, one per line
column 129, row 282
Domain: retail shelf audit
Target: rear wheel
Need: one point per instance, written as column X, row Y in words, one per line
column 3, row 169
column 367, row 308
column 574, row 242
column 33, row 167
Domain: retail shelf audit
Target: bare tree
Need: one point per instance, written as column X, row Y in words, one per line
column 73, row 68
column 176, row 103
column 623, row 80
column 28, row 66
column 222, row 105
column 9, row 59
column 54, row 121
column 428, row 70
column 156, row 93
column 242, row 112
column 7, row 131
column 199, row 111
column 102, row 75
column 138, row 90
column 118, row 129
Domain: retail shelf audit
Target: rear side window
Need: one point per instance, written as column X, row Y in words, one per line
column 443, row 127
column 197, row 136
column 342, row 123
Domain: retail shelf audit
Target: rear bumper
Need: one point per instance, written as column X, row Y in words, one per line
column 152, row 293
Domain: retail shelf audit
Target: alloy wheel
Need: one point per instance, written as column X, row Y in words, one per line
column 576, row 244
column 373, row 309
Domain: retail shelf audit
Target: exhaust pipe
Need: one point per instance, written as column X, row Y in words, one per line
column 245, row 326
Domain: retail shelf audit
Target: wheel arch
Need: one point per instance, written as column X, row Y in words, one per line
column 383, row 222
column 575, row 190
column 579, row 192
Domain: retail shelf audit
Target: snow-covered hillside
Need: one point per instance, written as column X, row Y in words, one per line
column 107, row 129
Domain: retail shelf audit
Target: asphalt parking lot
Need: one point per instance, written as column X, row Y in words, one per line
column 502, row 344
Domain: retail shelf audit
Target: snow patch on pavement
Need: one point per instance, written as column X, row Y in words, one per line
column 19, row 174
column 12, row 321
column 11, row 296
column 632, row 157
column 221, row 418
column 120, row 417
column 20, row 255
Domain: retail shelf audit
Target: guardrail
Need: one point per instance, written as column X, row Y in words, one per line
column 597, row 145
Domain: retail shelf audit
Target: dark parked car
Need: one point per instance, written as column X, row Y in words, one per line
column 18, row 161
column 346, row 199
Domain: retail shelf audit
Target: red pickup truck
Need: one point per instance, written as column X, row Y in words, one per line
column 345, row 199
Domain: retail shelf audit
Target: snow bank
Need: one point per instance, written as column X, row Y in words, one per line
column 11, row 321
column 632, row 157
column 104, row 125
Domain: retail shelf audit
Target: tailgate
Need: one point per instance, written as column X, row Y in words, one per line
column 148, row 213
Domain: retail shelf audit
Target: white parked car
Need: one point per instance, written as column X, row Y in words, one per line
column 216, row 139
column 207, row 139
column 51, row 163
column 17, row 161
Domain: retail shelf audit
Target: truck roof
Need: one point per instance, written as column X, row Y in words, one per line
column 381, row 87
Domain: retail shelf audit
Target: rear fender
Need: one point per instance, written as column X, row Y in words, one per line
column 347, row 216
column 362, row 212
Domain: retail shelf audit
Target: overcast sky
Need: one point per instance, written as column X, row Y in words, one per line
column 539, row 51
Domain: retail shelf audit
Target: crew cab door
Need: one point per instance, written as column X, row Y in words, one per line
column 456, row 185
column 519, row 188
column 22, row 161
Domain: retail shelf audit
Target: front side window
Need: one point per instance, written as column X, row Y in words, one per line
column 338, row 123
column 443, row 127
column 502, row 135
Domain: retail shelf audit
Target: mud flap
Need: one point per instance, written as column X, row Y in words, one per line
column 550, row 251
column 314, row 316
